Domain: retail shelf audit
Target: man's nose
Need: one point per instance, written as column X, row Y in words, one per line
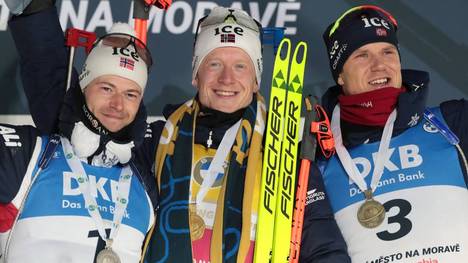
column 377, row 62
column 227, row 76
column 116, row 102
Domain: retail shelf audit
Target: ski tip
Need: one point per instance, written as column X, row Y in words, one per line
column 300, row 53
column 284, row 50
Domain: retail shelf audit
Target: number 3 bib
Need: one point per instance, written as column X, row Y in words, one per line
column 422, row 190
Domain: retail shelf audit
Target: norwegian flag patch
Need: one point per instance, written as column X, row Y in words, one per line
column 127, row 63
column 381, row 32
column 228, row 38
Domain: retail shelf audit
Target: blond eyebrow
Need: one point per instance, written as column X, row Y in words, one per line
column 391, row 47
column 134, row 90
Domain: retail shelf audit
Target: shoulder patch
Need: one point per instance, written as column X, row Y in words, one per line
column 10, row 138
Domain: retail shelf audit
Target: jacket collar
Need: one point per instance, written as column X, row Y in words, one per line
column 410, row 109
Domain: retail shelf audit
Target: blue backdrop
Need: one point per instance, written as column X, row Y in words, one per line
column 432, row 35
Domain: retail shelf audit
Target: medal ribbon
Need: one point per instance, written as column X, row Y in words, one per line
column 346, row 160
column 217, row 163
column 123, row 190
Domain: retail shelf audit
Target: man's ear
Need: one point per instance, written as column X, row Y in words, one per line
column 195, row 82
column 256, row 87
column 340, row 80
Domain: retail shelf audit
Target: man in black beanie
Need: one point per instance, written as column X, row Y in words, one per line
column 394, row 198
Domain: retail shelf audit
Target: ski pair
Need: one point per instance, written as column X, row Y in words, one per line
column 276, row 202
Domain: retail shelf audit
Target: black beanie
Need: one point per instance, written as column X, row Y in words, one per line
column 357, row 27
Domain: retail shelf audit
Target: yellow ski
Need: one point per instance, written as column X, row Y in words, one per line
column 289, row 158
column 271, row 155
column 273, row 235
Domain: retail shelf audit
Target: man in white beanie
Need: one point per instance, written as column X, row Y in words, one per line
column 222, row 190
column 237, row 41
column 209, row 154
column 209, row 158
column 85, row 194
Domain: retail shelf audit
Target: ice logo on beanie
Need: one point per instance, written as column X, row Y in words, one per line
column 375, row 21
column 229, row 30
column 84, row 72
column 336, row 50
column 126, row 52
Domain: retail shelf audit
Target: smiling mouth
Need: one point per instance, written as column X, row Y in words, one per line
column 112, row 116
column 225, row 93
column 380, row 82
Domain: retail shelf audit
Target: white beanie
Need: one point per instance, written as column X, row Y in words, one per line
column 219, row 29
column 122, row 62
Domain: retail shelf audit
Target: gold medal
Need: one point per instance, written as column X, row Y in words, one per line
column 197, row 224
column 107, row 255
column 372, row 213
